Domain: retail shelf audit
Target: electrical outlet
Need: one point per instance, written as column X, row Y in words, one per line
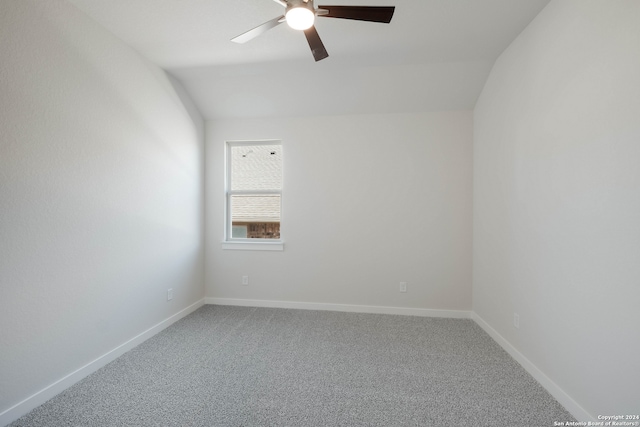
column 169, row 294
column 245, row 280
column 516, row 320
column 403, row 286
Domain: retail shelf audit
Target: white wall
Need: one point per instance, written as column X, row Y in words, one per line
column 557, row 200
column 368, row 201
column 101, row 189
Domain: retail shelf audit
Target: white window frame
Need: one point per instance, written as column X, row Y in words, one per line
column 245, row 243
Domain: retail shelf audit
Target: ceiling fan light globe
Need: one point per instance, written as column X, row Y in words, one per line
column 300, row 18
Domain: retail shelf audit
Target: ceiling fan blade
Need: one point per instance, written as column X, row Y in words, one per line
column 359, row 13
column 317, row 48
column 255, row 32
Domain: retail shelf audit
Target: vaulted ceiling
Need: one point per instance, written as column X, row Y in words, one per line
column 434, row 55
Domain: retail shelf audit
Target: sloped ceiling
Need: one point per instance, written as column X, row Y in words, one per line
column 434, row 55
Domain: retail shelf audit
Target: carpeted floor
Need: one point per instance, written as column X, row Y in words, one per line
column 240, row 366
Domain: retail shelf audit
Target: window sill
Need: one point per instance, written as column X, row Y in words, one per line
column 253, row 246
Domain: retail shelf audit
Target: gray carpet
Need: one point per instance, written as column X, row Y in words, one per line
column 239, row 366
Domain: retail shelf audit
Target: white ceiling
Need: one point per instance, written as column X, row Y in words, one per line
column 434, row 55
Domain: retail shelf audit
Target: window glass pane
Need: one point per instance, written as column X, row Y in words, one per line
column 256, row 167
column 260, row 215
column 239, row 231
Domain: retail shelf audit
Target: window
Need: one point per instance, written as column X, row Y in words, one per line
column 253, row 195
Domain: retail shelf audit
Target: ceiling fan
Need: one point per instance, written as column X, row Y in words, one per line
column 300, row 15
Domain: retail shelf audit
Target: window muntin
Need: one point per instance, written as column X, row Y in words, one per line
column 253, row 191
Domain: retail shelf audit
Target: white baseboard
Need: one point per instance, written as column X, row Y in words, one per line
column 560, row 395
column 62, row 384
column 423, row 312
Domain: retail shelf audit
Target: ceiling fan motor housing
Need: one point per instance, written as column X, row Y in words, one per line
column 292, row 4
